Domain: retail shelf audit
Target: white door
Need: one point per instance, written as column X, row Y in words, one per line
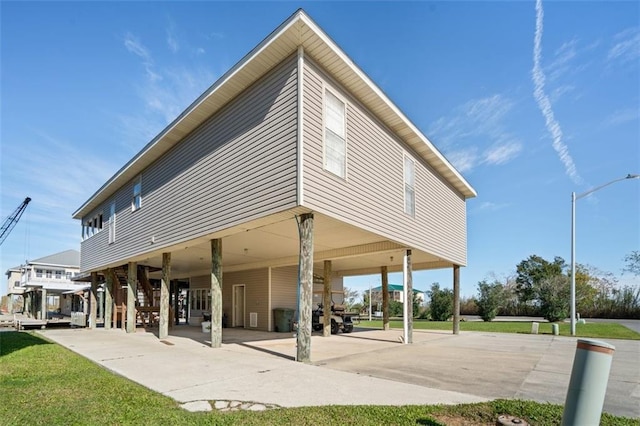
column 238, row 305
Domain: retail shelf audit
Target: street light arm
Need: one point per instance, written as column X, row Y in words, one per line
column 575, row 197
column 597, row 188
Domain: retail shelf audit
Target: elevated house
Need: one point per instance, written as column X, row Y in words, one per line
column 44, row 288
column 290, row 172
column 395, row 292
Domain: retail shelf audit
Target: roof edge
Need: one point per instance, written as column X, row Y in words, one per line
column 194, row 105
column 380, row 93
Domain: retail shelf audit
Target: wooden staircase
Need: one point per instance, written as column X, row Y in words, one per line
column 146, row 312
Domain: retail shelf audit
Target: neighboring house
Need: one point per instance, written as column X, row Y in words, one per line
column 293, row 146
column 396, row 292
column 45, row 286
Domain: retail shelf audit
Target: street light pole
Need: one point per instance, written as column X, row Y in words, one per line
column 575, row 197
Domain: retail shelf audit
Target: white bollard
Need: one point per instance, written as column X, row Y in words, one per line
column 534, row 328
column 588, row 383
column 555, row 329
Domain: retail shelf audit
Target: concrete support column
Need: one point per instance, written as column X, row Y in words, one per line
column 132, row 296
column 108, row 299
column 216, row 293
column 43, row 304
column 456, row 299
column 163, row 331
column 408, row 298
column 303, row 352
column 326, row 299
column 385, row 297
column 93, row 300
column 101, row 305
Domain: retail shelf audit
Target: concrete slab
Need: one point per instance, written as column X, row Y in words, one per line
column 365, row 367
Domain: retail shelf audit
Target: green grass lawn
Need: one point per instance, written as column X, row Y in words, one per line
column 598, row 330
column 44, row 383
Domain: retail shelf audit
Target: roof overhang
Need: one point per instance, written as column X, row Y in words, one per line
column 298, row 30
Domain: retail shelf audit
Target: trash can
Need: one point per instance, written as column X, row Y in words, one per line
column 283, row 317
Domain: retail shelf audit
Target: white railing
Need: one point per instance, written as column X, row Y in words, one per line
column 78, row 319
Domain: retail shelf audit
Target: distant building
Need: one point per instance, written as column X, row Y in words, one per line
column 396, row 292
column 48, row 278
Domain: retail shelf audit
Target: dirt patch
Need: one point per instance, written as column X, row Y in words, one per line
column 459, row 421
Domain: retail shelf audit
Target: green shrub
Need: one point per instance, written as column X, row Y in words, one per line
column 441, row 305
column 490, row 299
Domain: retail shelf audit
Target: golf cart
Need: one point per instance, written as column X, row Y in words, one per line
column 340, row 320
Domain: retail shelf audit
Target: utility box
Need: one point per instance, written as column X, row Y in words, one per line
column 283, row 318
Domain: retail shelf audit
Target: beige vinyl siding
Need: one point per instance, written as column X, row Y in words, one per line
column 241, row 164
column 256, row 294
column 284, row 287
column 372, row 197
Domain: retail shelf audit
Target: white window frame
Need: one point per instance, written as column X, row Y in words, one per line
column 342, row 173
column 136, row 199
column 201, row 299
column 112, row 222
column 409, row 185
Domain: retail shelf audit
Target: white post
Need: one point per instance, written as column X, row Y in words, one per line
column 369, row 301
column 573, row 263
column 405, row 304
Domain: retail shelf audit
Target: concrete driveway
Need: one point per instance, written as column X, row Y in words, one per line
column 364, row 367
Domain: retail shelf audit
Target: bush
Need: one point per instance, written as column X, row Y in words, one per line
column 395, row 308
column 441, row 305
column 553, row 294
column 468, row 306
column 424, row 313
column 490, row 299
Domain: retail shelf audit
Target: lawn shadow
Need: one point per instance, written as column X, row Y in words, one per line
column 428, row 422
column 12, row 341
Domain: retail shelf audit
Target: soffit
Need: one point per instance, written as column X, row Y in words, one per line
column 265, row 244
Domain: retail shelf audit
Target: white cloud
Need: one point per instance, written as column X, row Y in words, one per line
column 563, row 57
column 476, row 133
column 463, row 160
column 172, row 42
column 627, row 46
column 165, row 91
column 622, row 116
column 544, row 103
column 502, row 153
column 489, row 206
column 134, row 46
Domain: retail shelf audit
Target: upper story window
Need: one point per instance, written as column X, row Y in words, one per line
column 112, row 222
column 49, row 273
column 136, row 201
column 58, row 275
column 38, row 273
column 409, row 186
column 92, row 226
column 335, row 140
column 68, row 275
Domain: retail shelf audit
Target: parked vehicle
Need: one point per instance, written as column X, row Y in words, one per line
column 340, row 320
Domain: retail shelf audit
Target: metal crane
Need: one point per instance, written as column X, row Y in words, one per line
column 12, row 220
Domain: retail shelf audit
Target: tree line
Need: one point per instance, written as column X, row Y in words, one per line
column 540, row 287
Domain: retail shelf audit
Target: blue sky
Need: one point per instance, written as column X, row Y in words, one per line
column 529, row 101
